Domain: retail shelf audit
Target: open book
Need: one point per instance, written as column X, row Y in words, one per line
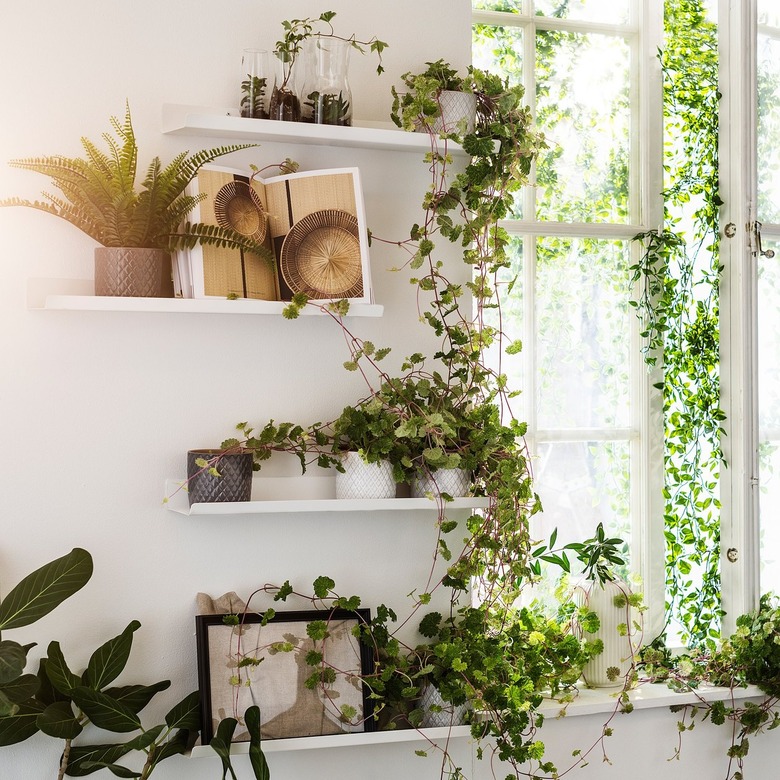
column 313, row 222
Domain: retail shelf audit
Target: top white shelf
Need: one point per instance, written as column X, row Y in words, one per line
column 224, row 123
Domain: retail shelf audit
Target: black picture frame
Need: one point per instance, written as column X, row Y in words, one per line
column 287, row 708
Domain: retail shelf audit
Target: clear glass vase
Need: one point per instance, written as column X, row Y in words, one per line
column 257, row 82
column 325, row 96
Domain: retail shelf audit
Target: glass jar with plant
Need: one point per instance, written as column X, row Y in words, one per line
column 332, row 102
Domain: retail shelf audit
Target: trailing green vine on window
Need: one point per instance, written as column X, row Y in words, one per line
column 678, row 276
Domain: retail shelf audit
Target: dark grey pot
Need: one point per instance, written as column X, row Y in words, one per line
column 233, row 484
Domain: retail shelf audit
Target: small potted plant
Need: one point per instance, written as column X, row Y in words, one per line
column 136, row 228
column 604, row 594
column 328, row 99
column 365, row 449
column 436, row 99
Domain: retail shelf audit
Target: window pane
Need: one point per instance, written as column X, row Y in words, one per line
column 499, row 50
column 582, row 484
column 512, row 6
column 583, row 333
column 769, row 13
column 769, row 416
column 769, row 128
column 583, row 108
column 611, row 11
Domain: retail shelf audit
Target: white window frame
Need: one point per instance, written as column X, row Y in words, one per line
column 644, row 33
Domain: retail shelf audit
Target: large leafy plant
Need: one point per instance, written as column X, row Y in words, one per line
column 31, row 599
column 98, row 194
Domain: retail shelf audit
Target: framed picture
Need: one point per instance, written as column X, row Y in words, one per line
column 268, row 665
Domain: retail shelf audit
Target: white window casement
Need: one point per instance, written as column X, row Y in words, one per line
column 763, row 30
column 593, row 82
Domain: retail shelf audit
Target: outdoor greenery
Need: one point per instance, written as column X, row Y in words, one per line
column 679, row 275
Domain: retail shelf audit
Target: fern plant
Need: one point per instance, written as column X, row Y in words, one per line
column 98, row 195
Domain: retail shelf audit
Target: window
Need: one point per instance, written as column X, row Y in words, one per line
column 593, row 424
column 768, row 288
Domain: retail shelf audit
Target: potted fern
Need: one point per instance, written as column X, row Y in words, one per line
column 136, row 228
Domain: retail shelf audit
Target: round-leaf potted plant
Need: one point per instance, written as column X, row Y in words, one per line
column 136, row 227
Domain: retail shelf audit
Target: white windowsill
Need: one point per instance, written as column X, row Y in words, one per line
column 589, row 701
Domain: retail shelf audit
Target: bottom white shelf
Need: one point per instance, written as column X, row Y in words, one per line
column 345, row 740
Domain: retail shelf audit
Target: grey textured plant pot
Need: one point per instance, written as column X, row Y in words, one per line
column 438, row 712
column 233, row 484
column 133, row 272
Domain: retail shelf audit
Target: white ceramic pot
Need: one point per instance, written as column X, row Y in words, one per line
column 438, row 712
column 454, row 482
column 618, row 650
column 364, row 480
column 455, row 108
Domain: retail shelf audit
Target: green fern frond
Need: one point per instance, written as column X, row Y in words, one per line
column 99, row 193
column 214, row 235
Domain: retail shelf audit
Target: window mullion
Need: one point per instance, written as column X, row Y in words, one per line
column 739, row 479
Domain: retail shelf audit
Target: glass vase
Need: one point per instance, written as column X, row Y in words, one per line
column 257, row 82
column 326, row 98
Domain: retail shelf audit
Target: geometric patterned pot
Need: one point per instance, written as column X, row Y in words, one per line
column 364, row 480
column 454, row 482
column 438, row 712
column 133, row 272
column 456, row 107
column 233, row 484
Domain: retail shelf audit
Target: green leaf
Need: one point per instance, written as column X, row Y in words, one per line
column 256, row 755
column 13, row 658
column 21, row 689
column 104, row 711
column 58, row 672
column 136, row 697
column 186, row 714
column 180, row 743
column 108, row 661
column 23, row 724
column 86, row 759
column 220, row 743
column 142, row 741
column 58, row 720
column 43, row 590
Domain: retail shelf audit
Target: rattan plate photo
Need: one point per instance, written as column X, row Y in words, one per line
column 321, row 256
column 237, row 206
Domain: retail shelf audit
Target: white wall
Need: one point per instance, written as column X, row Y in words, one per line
column 97, row 409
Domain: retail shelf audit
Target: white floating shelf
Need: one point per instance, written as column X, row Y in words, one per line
column 177, row 502
column 344, row 740
column 225, row 123
column 72, row 295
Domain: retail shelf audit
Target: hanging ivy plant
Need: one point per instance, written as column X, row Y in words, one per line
column 678, row 280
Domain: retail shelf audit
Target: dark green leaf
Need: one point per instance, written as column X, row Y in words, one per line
column 43, row 590
column 136, row 697
column 12, row 660
column 58, row 720
column 86, row 759
column 108, row 661
column 18, row 727
column 104, row 711
column 58, row 672
column 186, row 714
column 256, row 755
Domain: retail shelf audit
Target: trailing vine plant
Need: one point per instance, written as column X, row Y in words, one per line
column 678, row 279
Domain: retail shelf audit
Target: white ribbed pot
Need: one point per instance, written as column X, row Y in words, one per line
column 618, row 651
column 364, row 480
column 454, row 482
